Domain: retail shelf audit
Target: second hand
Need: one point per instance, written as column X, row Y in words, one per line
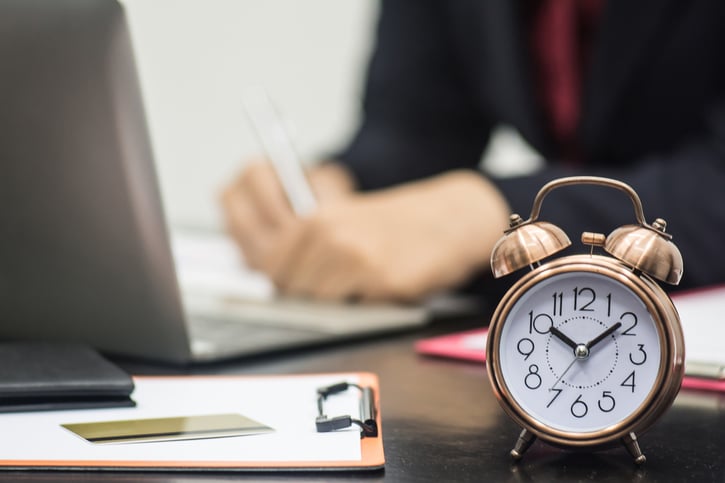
column 581, row 352
column 563, row 373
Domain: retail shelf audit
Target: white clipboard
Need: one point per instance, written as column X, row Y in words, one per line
column 287, row 403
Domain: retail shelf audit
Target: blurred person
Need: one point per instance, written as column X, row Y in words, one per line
column 629, row 90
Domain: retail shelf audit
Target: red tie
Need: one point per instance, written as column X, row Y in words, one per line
column 561, row 38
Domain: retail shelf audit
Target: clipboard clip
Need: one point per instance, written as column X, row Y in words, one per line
column 368, row 412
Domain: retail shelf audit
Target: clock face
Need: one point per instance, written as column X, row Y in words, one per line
column 579, row 352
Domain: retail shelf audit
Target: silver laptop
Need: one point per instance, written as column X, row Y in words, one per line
column 84, row 250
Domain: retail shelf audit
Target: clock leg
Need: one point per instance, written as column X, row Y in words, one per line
column 526, row 439
column 630, row 442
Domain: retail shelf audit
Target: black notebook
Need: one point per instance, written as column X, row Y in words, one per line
column 41, row 376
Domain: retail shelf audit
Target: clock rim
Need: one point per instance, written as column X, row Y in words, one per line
column 667, row 324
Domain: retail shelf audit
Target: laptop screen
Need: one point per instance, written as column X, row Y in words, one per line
column 84, row 253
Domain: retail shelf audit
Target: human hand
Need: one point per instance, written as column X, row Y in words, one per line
column 257, row 211
column 396, row 244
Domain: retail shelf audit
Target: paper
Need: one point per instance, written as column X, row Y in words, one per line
column 216, row 282
column 208, row 263
column 286, row 403
column 702, row 314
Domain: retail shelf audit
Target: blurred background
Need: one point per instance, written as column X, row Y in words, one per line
column 195, row 60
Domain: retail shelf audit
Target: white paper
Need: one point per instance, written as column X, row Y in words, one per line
column 702, row 314
column 210, row 263
column 215, row 281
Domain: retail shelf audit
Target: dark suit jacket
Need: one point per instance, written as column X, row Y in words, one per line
column 653, row 113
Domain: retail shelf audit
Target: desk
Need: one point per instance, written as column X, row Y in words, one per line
column 442, row 423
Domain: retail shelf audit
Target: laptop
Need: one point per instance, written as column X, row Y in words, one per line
column 85, row 254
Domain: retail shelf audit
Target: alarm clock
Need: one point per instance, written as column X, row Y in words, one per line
column 586, row 351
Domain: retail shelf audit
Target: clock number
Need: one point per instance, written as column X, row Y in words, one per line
column 634, row 323
column 536, row 322
column 589, row 299
column 558, row 391
column 629, row 382
column 533, row 379
column 558, row 302
column 640, row 348
column 579, row 409
column 608, row 406
column 525, row 347
column 609, row 305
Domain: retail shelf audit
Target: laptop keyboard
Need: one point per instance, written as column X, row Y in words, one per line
column 213, row 337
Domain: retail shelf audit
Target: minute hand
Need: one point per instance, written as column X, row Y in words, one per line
column 603, row 335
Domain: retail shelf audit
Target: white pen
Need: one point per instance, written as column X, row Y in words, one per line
column 280, row 150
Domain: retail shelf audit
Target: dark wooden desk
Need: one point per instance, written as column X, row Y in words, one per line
column 441, row 423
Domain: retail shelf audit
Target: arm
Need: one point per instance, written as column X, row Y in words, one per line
column 420, row 117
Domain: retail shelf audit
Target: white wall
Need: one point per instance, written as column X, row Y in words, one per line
column 195, row 59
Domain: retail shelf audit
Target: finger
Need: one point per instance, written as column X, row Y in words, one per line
column 292, row 247
column 246, row 228
column 311, row 262
column 286, row 248
column 323, row 272
column 326, row 267
column 387, row 285
column 318, row 250
column 331, row 181
column 261, row 184
column 306, row 270
column 338, row 285
column 323, row 262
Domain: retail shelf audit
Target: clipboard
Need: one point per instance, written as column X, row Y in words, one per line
column 290, row 404
column 699, row 312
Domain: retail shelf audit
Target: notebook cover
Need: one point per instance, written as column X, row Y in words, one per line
column 40, row 376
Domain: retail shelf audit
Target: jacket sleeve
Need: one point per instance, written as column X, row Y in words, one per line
column 686, row 188
column 419, row 117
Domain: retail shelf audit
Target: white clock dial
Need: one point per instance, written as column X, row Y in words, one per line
column 579, row 352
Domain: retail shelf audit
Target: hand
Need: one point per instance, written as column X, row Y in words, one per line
column 563, row 337
column 402, row 243
column 603, row 335
column 257, row 210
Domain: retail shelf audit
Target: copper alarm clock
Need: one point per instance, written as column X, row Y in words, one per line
column 586, row 350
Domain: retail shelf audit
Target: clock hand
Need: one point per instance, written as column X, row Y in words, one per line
column 603, row 335
column 563, row 373
column 563, row 337
column 580, row 352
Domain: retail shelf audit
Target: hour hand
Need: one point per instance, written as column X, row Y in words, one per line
column 563, row 337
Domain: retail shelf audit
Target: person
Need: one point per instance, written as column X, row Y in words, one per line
column 629, row 90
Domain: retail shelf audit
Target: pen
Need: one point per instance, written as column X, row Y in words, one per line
column 279, row 148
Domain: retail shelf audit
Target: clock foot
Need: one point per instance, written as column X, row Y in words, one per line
column 526, row 439
column 630, row 442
